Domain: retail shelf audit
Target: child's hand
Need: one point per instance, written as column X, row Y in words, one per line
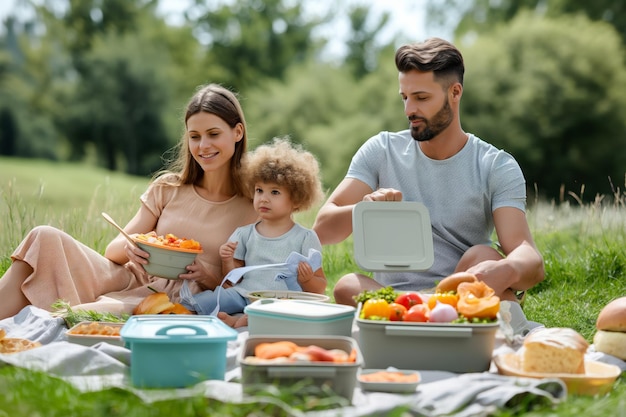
column 227, row 250
column 305, row 272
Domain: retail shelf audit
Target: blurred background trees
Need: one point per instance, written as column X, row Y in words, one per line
column 106, row 81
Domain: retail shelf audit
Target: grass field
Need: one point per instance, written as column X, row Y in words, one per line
column 583, row 246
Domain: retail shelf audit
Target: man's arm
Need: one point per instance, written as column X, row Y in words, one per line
column 522, row 268
column 333, row 223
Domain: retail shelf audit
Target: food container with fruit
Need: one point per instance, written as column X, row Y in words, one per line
column 450, row 330
column 330, row 363
column 299, row 317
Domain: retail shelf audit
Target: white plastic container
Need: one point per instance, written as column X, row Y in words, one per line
column 299, row 317
column 449, row 347
column 338, row 378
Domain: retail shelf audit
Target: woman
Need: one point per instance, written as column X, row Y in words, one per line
column 201, row 196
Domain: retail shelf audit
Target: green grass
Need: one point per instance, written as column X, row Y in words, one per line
column 583, row 247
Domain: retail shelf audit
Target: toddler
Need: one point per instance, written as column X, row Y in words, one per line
column 284, row 179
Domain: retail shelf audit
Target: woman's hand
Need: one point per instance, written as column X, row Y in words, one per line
column 206, row 279
column 137, row 258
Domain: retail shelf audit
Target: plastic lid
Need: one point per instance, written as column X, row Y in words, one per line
column 302, row 309
column 392, row 236
column 173, row 328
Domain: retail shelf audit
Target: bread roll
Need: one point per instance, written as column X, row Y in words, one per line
column 611, row 324
column 613, row 316
column 176, row 309
column 611, row 343
column 555, row 350
column 450, row 283
column 154, row 304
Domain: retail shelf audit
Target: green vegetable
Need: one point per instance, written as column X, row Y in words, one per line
column 387, row 293
column 464, row 320
column 73, row 317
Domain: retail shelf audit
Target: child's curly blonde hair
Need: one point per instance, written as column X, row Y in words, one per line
column 287, row 165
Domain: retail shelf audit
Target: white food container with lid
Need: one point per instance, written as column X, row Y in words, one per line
column 397, row 237
column 299, row 317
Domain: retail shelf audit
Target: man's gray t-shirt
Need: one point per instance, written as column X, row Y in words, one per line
column 255, row 249
column 460, row 192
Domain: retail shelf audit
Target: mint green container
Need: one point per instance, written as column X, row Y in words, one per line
column 170, row 351
column 299, row 317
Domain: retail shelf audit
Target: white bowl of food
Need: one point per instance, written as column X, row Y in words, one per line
column 287, row 295
column 88, row 333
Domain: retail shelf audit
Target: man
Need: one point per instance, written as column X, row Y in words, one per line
column 468, row 186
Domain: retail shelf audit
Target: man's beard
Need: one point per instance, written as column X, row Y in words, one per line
column 437, row 124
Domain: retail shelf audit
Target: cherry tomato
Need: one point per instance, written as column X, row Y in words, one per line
column 397, row 312
column 376, row 309
column 443, row 297
column 409, row 299
column 418, row 312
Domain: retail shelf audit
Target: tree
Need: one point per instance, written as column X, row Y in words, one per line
column 362, row 50
column 255, row 39
column 118, row 105
column 480, row 15
column 550, row 91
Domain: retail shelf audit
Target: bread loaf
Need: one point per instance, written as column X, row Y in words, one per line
column 556, row 350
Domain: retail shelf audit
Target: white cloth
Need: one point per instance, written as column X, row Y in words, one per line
column 103, row 366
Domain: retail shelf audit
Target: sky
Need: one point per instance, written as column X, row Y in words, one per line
column 407, row 17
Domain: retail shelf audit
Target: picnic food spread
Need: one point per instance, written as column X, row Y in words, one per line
column 558, row 350
column 610, row 336
column 14, row 344
column 169, row 240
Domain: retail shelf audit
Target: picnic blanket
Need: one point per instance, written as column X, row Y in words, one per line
column 105, row 366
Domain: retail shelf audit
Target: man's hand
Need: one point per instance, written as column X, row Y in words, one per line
column 499, row 275
column 384, row 194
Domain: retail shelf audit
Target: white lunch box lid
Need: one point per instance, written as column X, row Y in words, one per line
column 392, row 236
column 299, row 309
column 173, row 328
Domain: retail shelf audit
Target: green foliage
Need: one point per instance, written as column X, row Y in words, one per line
column 542, row 89
column 254, row 39
column 482, row 15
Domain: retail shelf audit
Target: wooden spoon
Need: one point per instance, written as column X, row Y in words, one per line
column 118, row 227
